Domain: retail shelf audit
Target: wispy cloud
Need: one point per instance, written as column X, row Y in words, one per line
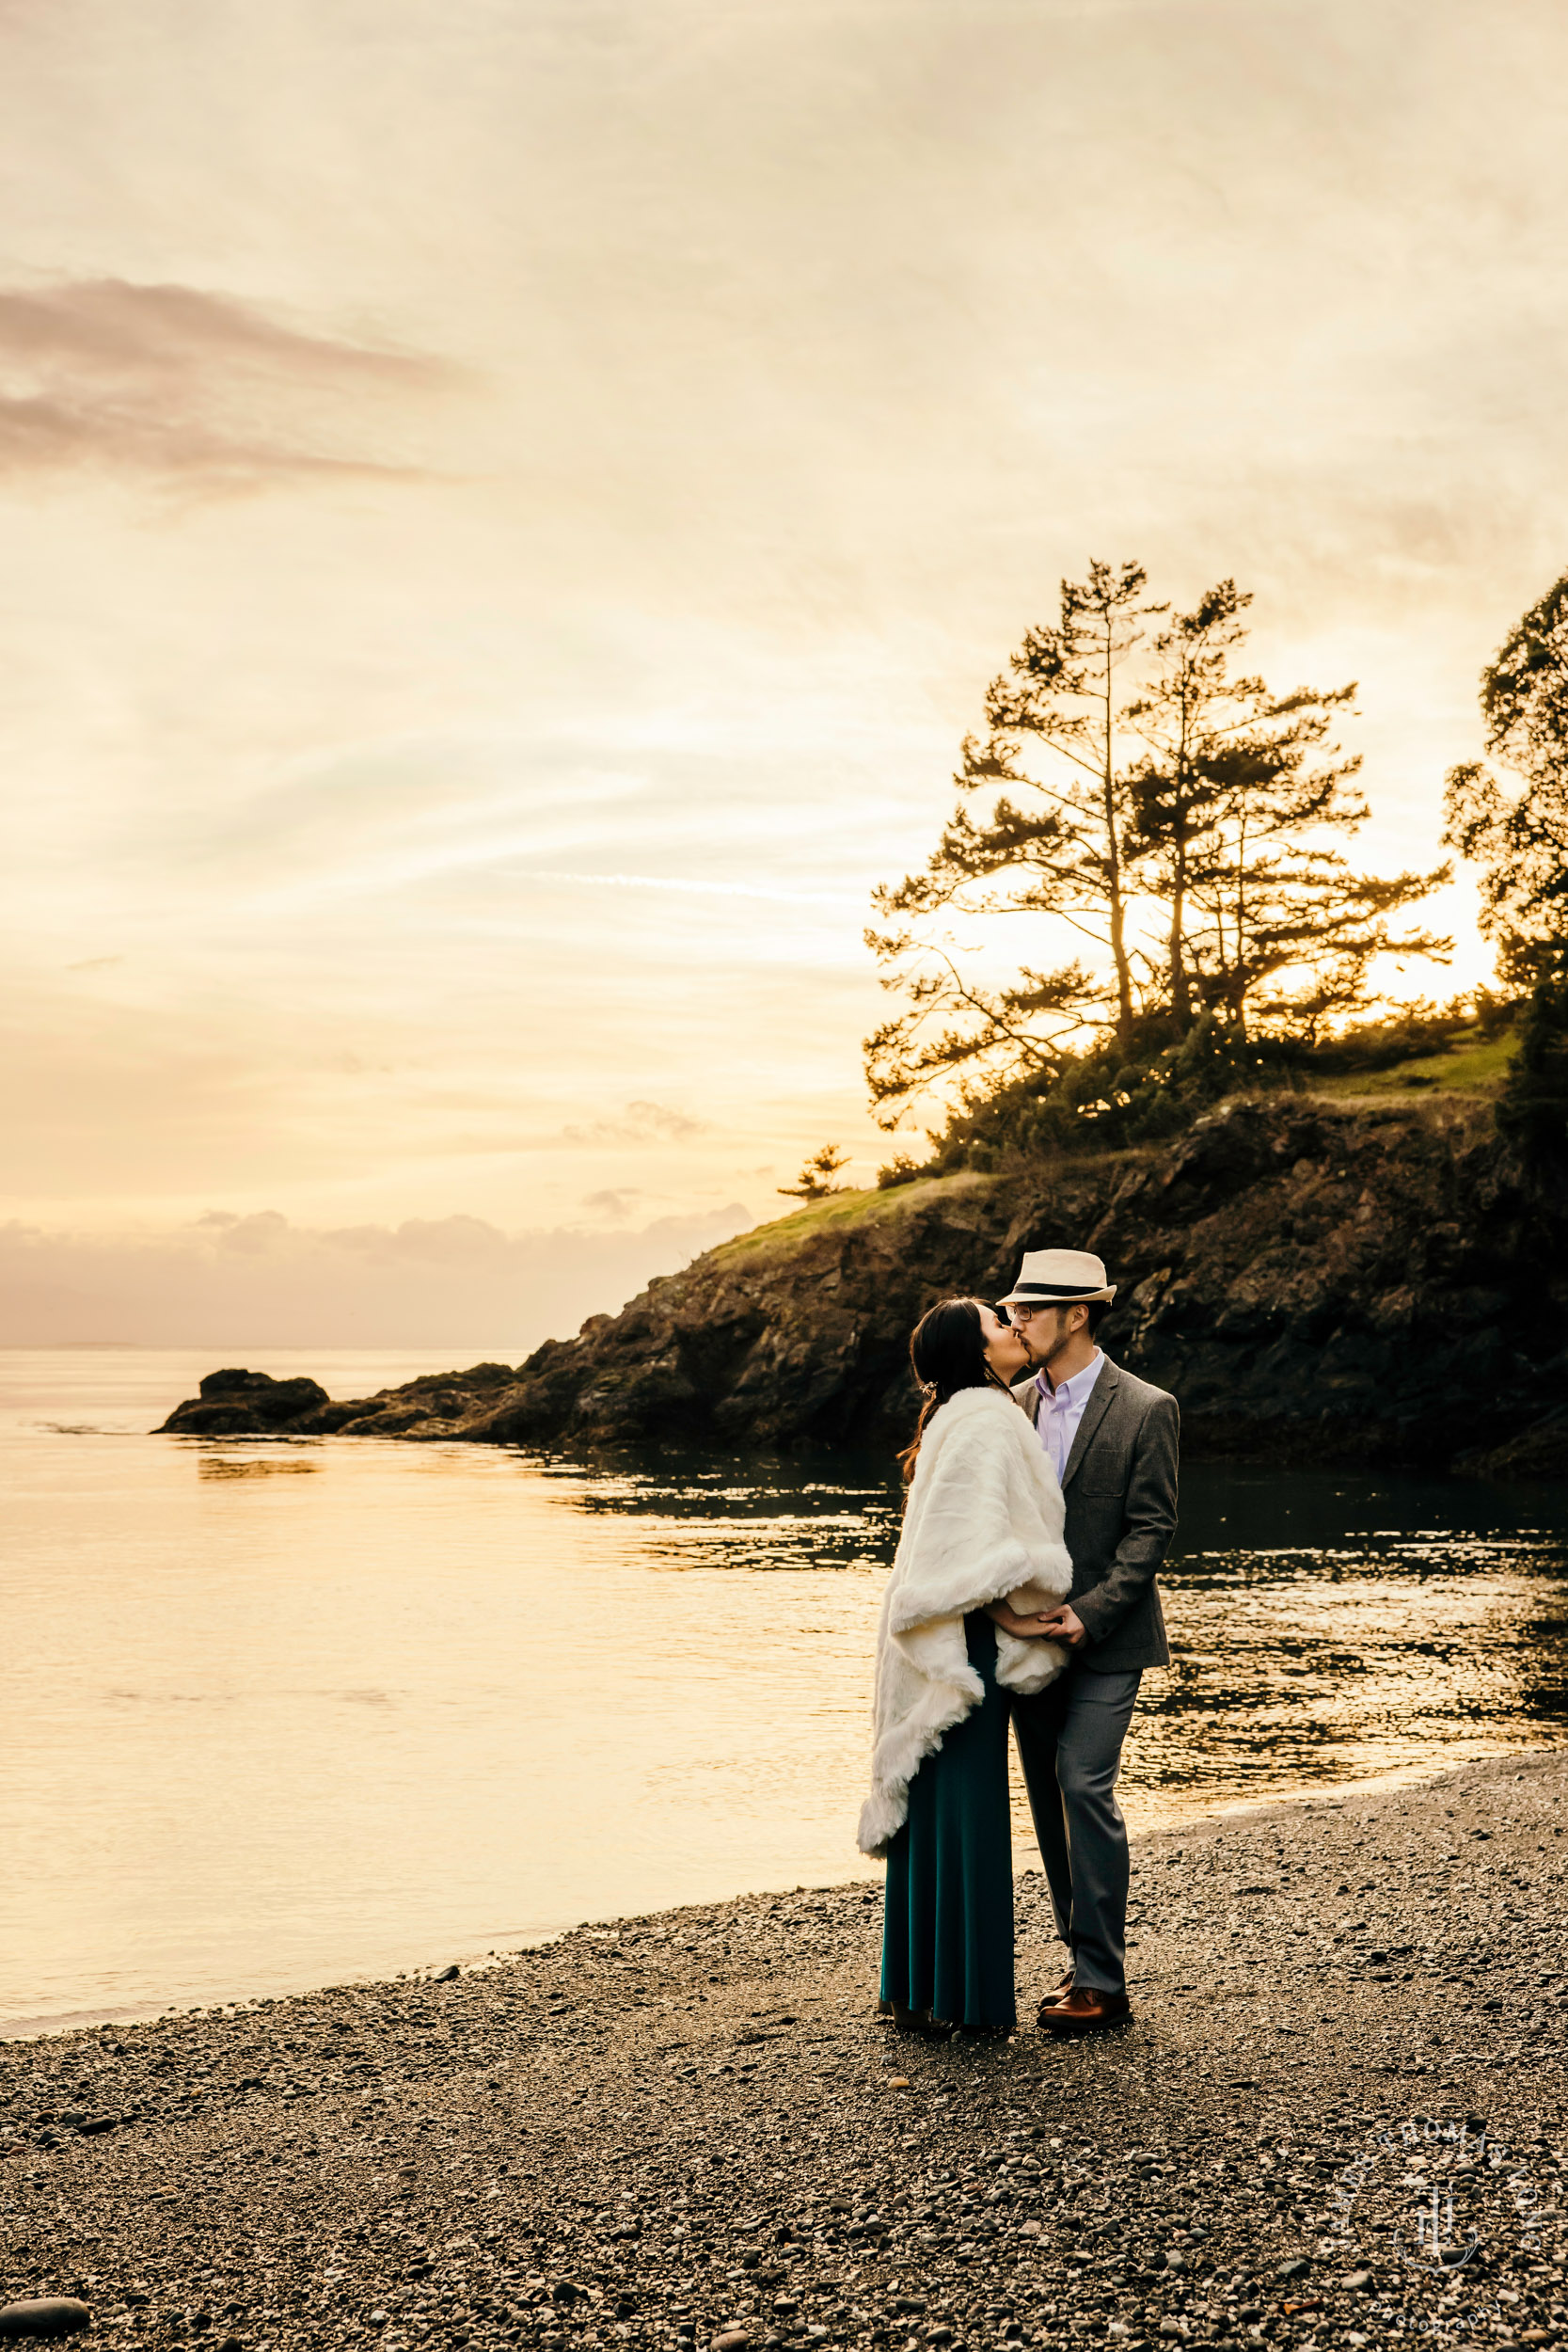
column 689, row 886
column 173, row 381
column 642, row 1122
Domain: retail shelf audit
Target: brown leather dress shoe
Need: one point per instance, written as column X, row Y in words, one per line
column 1058, row 1992
column 1084, row 2009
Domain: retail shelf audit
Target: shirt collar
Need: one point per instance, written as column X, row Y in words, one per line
column 1073, row 1392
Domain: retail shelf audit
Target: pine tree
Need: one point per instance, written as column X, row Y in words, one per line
column 815, row 1179
column 1041, row 828
column 1238, row 804
column 1519, row 839
column 1177, row 816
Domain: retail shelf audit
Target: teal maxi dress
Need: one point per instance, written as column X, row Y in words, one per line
column 947, row 1927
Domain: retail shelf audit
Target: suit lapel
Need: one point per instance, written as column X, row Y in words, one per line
column 1094, row 1413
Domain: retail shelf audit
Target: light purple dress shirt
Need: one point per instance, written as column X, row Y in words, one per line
column 1062, row 1410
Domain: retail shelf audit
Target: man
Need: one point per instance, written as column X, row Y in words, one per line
column 1112, row 1441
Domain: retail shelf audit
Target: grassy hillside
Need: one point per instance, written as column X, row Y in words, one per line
column 1471, row 1064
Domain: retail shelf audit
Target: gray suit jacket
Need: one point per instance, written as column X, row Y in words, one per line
column 1119, row 1487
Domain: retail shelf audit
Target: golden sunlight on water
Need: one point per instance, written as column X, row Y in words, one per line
column 279, row 1715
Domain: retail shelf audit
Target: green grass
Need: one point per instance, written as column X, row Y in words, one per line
column 870, row 1207
column 1472, row 1065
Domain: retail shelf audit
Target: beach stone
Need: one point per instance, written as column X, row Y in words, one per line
column 448, row 1975
column 49, row 2315
column 1297, row 2269
column 732, row 2339
column 1358, row 2279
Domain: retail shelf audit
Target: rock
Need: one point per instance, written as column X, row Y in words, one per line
column 449, row 1974
column 245, row 1404
column 1358, row 2280
column 51, row 2315
column 1297, row 2269
column 732, row 2339
column 1538, row 1452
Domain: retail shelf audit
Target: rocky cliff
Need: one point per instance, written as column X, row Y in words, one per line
column 1319, row 1283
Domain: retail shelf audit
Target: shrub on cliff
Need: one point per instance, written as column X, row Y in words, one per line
column 1153, row 1088
column 1533, row 1108
column 1143, row 1090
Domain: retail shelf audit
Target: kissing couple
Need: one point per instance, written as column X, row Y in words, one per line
column 1042, row 1502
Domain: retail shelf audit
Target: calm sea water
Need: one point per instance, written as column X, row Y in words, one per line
column 274, row 1716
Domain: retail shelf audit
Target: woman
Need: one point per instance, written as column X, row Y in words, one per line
column 982, row 1523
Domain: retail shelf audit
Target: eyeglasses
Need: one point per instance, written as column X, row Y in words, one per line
column 1016, row 1316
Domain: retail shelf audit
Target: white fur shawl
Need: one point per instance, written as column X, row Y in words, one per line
column 984, row 1517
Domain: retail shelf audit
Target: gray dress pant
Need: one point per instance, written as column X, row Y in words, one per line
column 1070, row 1745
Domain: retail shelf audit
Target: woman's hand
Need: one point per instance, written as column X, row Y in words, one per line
column 1023, row 1628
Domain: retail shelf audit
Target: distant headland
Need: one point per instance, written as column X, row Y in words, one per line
column 1367, row 1282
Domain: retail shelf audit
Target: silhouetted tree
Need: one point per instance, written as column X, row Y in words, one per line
column 1042, row 830
column 1519, row 838
column 1196, row 788
column 815, row 1179
column 1238, row 801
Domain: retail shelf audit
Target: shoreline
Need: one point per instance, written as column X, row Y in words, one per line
column 473, row 1963
column 642, row 2130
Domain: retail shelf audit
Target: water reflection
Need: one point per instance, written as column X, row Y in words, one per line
column 278, row 1714
column 691, row 1511
column 1327, row 1628
column 281, row 1462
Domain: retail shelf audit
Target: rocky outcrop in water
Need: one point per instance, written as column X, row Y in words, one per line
column 1317, row 1282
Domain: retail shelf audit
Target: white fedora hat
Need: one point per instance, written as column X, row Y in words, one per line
column 1059, row 1278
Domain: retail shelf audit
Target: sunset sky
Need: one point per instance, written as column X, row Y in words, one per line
column 509, row 510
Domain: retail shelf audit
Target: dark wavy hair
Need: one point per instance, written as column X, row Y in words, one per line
column 947, row 1351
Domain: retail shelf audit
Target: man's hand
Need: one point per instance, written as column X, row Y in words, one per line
column 1053, row 1625
column 1062, row 1625
column 1024, row 1628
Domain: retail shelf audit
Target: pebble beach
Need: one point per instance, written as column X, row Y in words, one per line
column 1336, row 2116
